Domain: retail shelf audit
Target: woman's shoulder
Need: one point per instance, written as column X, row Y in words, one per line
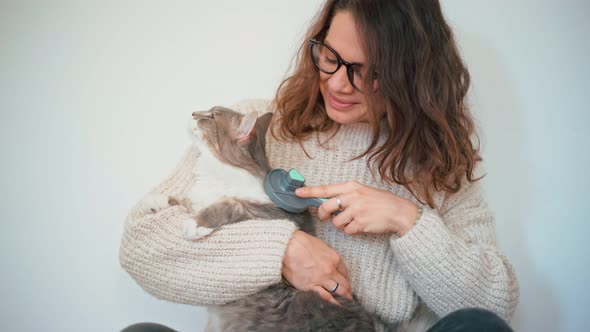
column 246, row 106
column 470, row 193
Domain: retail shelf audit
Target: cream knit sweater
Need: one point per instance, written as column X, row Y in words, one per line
column 448, row 260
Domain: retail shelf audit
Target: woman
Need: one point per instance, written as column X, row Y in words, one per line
column 374, row 116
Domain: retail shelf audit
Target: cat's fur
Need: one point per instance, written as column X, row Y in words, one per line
column 229, row 188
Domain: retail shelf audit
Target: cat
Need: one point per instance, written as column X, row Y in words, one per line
column 231, row 166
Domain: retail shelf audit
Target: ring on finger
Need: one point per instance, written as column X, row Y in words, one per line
column 333, row 291
column 339, row 202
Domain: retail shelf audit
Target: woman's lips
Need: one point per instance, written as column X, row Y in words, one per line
column 339, row 104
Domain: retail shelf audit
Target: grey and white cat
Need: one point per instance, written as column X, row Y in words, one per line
column 231, row 166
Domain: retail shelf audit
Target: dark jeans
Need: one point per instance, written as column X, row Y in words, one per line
column 464, row 320
column 147, row 327
column 472, row 319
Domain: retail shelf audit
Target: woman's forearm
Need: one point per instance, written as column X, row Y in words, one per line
column 234, row 261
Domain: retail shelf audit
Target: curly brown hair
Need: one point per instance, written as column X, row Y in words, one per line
column 422, row 88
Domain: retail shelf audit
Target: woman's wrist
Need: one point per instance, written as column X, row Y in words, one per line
column 412, row 213
column 289, row 252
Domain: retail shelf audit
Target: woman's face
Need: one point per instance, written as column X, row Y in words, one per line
column 344, row 104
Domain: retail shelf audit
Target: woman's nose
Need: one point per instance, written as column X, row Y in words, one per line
column 339, row 81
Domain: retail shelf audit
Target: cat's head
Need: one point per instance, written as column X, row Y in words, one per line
column 234, row 138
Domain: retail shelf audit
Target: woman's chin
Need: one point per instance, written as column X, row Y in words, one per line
column 345, row 117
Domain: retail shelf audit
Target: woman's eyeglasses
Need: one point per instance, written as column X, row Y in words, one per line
column 329, row 61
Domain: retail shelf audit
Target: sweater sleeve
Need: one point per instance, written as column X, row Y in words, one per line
column 451, row 259
column 235, row 261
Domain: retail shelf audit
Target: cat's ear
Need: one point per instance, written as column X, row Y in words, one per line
column 263, row 123
column 247, row 127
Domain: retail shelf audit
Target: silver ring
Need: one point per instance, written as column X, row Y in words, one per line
column 339, row 202
column 333, row 291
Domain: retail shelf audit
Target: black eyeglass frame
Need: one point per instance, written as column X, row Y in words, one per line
column 348, row 65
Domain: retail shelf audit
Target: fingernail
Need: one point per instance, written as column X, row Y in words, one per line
column 298, row 191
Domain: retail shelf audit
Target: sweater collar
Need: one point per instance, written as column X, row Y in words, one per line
column 355, row 136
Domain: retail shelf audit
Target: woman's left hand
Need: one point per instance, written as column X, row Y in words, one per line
column 363, row 209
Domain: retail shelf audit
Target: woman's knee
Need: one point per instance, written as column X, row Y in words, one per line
column 471, row 319
column 147, row 327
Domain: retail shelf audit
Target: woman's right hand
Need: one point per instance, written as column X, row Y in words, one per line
column 309, row 264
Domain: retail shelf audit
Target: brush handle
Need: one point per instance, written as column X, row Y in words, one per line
column 315, row 201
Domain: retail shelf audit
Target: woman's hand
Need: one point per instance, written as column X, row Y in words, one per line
column 363, row 209
column 309, row 264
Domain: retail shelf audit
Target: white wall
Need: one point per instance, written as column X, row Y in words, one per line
column 94, row 97
column 530, row 67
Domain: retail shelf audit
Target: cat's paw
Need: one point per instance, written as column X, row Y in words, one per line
column 192, row 231
column 154, row 202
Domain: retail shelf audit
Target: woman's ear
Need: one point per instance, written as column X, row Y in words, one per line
column 247, row 128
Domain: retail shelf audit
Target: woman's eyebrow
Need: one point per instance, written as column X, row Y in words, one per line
column 360, row 64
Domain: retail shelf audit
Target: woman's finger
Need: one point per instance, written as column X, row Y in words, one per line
column 342, row 219
column 351, row 228
column 327, row 190
column 338, row 285
column 324, row 294
column 334, row 206
column 345, row 215
column 341, row 268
